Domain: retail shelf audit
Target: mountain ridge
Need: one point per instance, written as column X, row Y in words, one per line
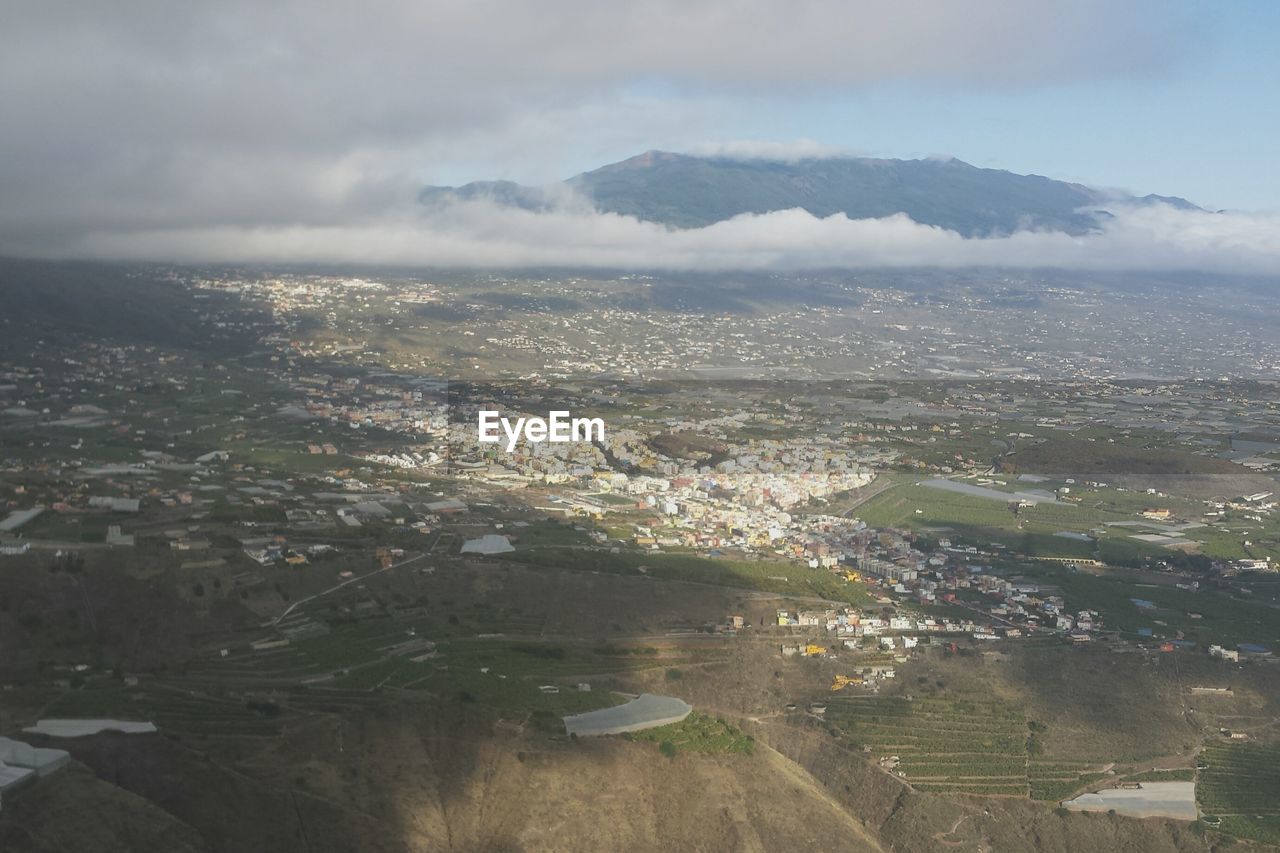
column 693, row 191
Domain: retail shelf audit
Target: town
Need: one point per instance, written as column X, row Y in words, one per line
column 330, row 530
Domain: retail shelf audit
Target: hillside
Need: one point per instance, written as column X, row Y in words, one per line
column 434, row 777
column 48, row 302
column 76, row 812
column 685, row 191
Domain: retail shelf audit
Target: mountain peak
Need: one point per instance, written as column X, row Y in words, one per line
column 646, row 160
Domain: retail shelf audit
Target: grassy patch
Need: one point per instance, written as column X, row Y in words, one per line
column 698, row 733
column 765, row 575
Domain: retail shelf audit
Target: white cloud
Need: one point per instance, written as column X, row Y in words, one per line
column 240, row 114
column 760, row 149
column 483, row 234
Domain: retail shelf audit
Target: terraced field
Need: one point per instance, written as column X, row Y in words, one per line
column 175, row 710
column 955, row 746
column 342, row 666
column 942, row 745
column 315, row 667
column 1058, row 780
column 1241, row 787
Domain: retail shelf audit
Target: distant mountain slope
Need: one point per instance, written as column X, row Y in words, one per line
column 62, row 301
column 687, row 192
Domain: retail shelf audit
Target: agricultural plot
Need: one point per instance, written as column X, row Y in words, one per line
column 786, row 578
column 332, row 700
column 956, row 746
column 352, row 667
column 1035, row 531
column 174, row 710
column 519, row 677
column 67, row 527
column 697, row 733
column 360, row 655
column 1057, row 780
column 1240, row 786
column 548, row 533
column 1177, row 774
column 446, row 542
column 1222, row 619
column 942, row 745
column 898, row 507
column 351, row 663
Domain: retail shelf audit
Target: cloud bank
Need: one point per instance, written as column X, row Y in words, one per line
column 129, row 124
column 481, row 233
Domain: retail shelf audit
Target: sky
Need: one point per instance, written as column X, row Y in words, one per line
column 298, row 131
column 1204, row 125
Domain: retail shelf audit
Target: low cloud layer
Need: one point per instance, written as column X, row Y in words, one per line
column 129, row 124
column 484, row 234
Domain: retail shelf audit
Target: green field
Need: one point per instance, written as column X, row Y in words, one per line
column 1222, row 618
column 697, row 733
column 957, row 746
column 352, row 668
column 1031, row 530
column 173, row 710
column 1058, row 780
column 1241, row 786
column 548, row 533
column 360, row 659
column 766, row 575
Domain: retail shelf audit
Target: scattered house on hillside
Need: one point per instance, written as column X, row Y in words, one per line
column 1225, row 654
